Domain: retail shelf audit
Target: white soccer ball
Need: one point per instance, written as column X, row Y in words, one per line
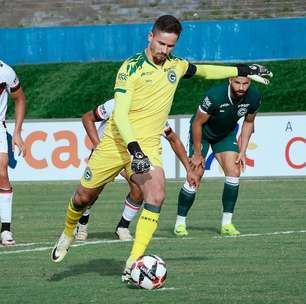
column 148, row 272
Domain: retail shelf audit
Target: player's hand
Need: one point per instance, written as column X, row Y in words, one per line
column 260, row 70
column 193, row 179
column 140, row 162
column 196, row 161
column 255, row 72
column 241, row 160
column 18, row 141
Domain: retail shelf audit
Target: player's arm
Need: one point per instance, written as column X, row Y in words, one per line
column 20, row 105
column 124, row 89
column 123, row 101
column 246, row 132
column 254, row 71
column 88, row 120
column 179, row 149
column 200, row 119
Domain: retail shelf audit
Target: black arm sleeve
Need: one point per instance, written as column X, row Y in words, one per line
column 191, row 70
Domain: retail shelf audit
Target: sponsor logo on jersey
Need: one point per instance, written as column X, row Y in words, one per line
column 122, row 76
column 171, row 76
column 206, row 103
column 87, row 174
column 146, row 73
column 241, row 112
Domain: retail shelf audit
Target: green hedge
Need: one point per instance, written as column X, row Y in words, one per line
column 69, row 90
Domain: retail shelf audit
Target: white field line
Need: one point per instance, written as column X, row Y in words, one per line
column 77, row 244
column 30, row 244
column 86, row 243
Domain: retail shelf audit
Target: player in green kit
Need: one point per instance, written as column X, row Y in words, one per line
column 214, row 125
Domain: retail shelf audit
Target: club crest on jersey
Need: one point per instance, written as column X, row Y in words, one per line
column 171, row 76
column 87, row 174
column 241, row 112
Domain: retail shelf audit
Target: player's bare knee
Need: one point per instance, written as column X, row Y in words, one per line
column 199, row 171
column 235, row 171
column 136, row 196
column 159, row 197
column 83, row 198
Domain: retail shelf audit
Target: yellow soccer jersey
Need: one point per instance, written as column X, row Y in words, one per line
column 150, row 90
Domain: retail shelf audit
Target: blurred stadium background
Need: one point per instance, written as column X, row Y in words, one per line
column 62, row 81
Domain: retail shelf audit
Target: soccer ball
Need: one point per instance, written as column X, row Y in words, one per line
column 148, row 272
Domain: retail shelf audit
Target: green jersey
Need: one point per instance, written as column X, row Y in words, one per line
column 224, row 111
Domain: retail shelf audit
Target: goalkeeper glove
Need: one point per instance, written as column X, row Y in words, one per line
column 255, row 72
column 140, row 162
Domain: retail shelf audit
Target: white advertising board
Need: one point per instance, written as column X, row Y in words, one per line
column 58, row 150
column 277, row 147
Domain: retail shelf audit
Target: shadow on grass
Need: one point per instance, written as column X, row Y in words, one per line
column 102, row 235
column 194, row 229
column 203, row 229
column 188, row 259
column 104, row 267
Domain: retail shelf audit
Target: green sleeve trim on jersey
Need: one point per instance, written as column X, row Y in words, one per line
column 120, row 90
column 137, row 62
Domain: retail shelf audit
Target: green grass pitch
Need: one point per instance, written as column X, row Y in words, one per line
column 266, row 264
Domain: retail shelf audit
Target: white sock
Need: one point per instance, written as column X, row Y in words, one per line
column 6, row 197
column 86, row 212
column 180, row 220
column 227, row 218
column 130, row 210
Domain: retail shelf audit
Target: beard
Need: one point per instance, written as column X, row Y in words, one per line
column 158, row 58
column 238, row 94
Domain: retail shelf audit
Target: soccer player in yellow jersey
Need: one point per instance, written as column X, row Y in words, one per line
column 144, row 91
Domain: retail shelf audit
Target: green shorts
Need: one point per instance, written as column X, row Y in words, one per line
column 228, row 143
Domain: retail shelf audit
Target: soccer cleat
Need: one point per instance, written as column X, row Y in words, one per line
column 230, row 230
column 126, row 275
column 61, row 248
column 81, row 232
column 7, row 238
column 180, row 230
column 123, row 234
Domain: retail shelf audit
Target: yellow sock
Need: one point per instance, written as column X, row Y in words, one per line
column 72, row 217
column 146, row 226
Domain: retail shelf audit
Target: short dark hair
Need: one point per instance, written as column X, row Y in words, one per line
column 167, row 24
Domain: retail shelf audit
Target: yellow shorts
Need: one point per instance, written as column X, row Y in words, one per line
column 109, row 159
